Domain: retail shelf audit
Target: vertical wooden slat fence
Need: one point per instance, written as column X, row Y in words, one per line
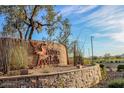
column 5, row 45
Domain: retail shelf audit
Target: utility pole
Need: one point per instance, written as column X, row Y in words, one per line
column 92, row 47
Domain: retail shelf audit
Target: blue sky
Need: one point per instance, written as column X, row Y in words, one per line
column 105, row 23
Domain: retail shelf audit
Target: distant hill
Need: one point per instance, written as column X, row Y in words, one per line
column 122, row 55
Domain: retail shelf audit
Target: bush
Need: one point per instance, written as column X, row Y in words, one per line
column 120, row 67
column 111, row 62
column 87, row 62
column 100, row 61
column 101, row 65
column 103, row 72
column 13, row 73
column 117, row 83
column 18, row 58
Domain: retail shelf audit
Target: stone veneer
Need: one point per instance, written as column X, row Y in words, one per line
column 78, row 78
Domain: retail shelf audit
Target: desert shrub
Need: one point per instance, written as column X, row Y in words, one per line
column 120, row 67
column 103, row 72
column 111, row 62
column 117, row 83
column 101, row 66
column 18, row 58
column 107, row 66
column 87, row 62
column 13, row 73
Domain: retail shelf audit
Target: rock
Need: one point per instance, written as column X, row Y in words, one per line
column 24, row 72
column 79, row 66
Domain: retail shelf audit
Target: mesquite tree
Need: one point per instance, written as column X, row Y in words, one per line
column 25, row 20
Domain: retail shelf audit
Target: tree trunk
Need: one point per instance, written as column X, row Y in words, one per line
column 31, row 33
column 27, row 32
column 20, row 34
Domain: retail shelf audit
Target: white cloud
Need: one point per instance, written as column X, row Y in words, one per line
column 108, row 20
column 118, row 36
column 68, row 10
column 85, row 9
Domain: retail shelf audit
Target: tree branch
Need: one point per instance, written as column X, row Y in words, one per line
column 27, row 32
column 33, row 13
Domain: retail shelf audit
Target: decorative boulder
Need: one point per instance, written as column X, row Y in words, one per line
column 24, row 72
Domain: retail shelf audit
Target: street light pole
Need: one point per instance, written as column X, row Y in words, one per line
column 92, row 47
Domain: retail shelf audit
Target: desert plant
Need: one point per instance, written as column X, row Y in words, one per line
column 117, row 83
column 116, row 61
column 87, row 62
column 13, row 73
column 18, row 58
column 111, row 62
column 103, row 72
column 120, row 67
column 102, row 66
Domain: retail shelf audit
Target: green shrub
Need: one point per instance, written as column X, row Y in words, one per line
column 18, row 58
column 117, row 83
column 101, row 65
column 111, row 62
column 103, row 72
column 120, row 67
column 87, row 62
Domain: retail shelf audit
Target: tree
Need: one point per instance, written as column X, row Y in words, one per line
column 25, row 20
column 64, row 34
column 107, row 56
